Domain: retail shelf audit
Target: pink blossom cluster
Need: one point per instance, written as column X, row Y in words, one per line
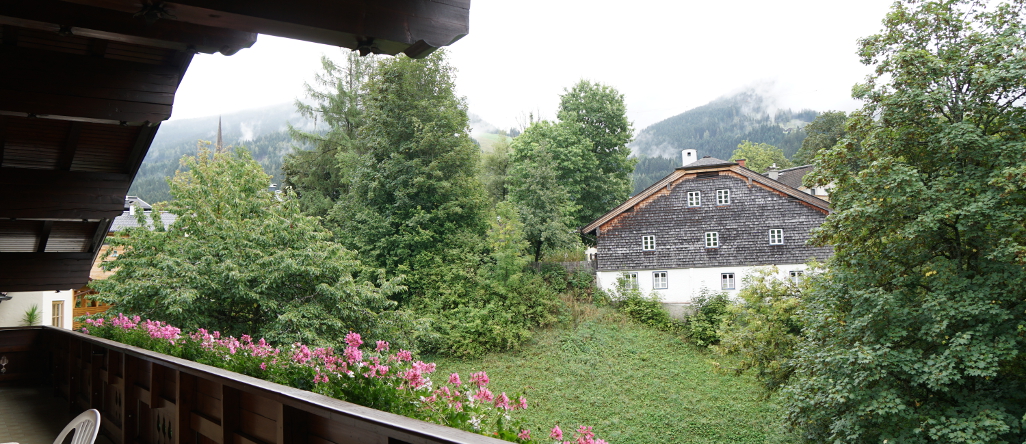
column 215, row 342
column 160, row 330
column 355, row 366
column 583, row 435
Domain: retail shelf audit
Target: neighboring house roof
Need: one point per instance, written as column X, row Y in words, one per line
column 793, row 176
column 139, row 203
column 129, row 220
column 710, row 165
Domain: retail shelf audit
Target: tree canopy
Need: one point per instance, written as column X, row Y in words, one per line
column 918, row 334
column 242, row 260
column 760, row 156
column 820, row 134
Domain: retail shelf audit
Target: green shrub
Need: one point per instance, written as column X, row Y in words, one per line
column 701, row 326
column 764, row 328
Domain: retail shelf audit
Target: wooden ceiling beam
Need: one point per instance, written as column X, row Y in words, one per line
column 47, row 83
column 70, row 146
column 44, row 271
column 102, row 23
column 61, row 195
column 413, row 27
column 3, row 138
column 44, row 236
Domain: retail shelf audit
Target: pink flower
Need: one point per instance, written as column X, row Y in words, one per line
column 403, row 355
column 484, row 395
column 458, row 406
column 479, row 378
column 454, row 379
column 414, row 378
column 353, row 339
column 263, row 366
column 85, row 330
column 524, row 435
column 556, row 433
column 424, row 368
column 523, row 403
column 302, row 355
column 502, row 402
column 382, row 346
column 353, row 354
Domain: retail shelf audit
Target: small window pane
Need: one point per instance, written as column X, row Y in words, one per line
column 648, row 242
column 57, row 314
column 776, row 236
column 726, row 281
column 712, row 240
column 796, row 275
column 659, row 280
column 722, row 197
column 694, row 198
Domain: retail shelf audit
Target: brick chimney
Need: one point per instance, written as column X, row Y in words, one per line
column 742, row 162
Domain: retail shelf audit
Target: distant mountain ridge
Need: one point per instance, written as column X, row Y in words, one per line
column 264, row 131
column 716, row 128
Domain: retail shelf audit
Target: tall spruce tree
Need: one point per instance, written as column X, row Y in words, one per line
column 413, row 201
column 918, row 336
column 320, row 176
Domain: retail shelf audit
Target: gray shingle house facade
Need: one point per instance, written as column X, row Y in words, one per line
column 706, row 226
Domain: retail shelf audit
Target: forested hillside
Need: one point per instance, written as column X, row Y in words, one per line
column 263, row 131
column 716, row 129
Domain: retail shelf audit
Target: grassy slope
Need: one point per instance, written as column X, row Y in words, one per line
column 633, row 384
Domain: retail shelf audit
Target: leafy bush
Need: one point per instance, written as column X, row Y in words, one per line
column 377, row 378
column 710, row 309
column 646, row 310
column 764, row 329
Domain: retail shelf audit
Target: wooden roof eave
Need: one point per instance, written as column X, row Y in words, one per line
column 89, row 21
column 413, row 27
column 677, row 174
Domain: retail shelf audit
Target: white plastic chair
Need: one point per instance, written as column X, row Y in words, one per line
column 86, row 426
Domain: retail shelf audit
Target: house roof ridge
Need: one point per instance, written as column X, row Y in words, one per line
column 726, row 166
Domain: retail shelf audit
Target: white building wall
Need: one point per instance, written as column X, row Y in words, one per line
column 12, row 311
column 685, row 284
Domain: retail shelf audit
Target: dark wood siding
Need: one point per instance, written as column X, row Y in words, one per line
column 743, row 228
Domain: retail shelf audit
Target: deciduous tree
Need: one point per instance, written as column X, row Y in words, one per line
column 242, row 260
column 760, row 156
column 918, row 337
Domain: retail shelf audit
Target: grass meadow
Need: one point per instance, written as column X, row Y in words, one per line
column 631, row 383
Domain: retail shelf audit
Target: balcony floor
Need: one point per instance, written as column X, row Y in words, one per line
column 32, row 415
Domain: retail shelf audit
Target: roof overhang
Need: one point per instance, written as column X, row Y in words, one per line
column 85, row 84
column 719, row 168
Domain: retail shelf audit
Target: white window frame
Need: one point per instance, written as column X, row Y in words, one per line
column 694, row 199
column 796, row 275
column 727, row 281
column 629, row 280
column 660, row 280
column 712, row 239
column 57, row 315
column 722, row 197
column 776, row 236
column 648, row 242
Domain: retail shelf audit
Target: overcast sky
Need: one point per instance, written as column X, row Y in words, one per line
column 665, row 56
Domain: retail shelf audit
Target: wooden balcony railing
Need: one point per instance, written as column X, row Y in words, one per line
column 151, row 398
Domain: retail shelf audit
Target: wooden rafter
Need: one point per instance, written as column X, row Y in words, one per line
column 413, row 27
column 107, row 25
column 68, row 155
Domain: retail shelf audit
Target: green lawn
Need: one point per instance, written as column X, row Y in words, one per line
column 632, row 383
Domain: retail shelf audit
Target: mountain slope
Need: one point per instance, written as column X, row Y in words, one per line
column 715, row 129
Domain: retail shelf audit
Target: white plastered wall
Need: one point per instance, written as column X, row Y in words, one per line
column 13, row 311
column 686, row 284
